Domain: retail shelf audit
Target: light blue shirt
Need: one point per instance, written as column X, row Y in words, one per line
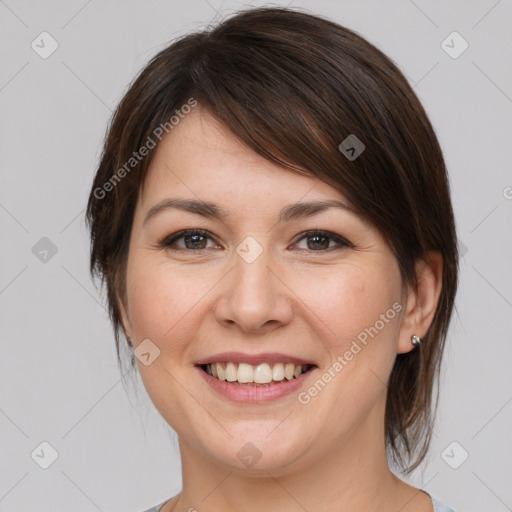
column 438, row 506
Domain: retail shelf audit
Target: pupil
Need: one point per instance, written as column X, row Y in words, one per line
column 321, row 237
column 194, row 237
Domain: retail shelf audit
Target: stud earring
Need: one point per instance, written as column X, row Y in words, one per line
column 416, row 340
column 130, row 342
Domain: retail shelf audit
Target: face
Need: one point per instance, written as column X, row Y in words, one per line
column 260, row 286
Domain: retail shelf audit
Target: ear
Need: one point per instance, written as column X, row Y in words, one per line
column 421, row 304
column 125, row 322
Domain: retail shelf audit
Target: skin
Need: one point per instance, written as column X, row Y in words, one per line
column 328, row 455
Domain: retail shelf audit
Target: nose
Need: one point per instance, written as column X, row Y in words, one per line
column 255, row 298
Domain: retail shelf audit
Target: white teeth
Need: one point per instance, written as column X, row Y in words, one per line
column 261, row 374
column 221, row 374
column 231, row 373
column 278, row 372
column 245, row 373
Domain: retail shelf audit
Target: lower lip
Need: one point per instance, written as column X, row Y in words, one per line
column 250, row 394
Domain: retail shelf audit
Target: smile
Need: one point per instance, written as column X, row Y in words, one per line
column 265, row 374
column 254, row 379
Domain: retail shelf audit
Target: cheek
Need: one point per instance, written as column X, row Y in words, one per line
column 348, row 301
column 358, row 326
column 161, row 299
column 161, row 303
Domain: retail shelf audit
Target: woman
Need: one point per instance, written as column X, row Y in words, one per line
column 271, row 216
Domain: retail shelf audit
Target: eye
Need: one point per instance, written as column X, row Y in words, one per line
column 197, row 240
column 321, row 240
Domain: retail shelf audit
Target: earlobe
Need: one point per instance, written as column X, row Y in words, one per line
column 421, row 304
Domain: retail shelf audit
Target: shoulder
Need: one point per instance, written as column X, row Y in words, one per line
column 439, row 507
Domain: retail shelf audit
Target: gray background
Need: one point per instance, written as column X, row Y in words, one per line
column 59, row 381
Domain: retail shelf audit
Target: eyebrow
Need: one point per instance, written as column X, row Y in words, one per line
column 213, row 211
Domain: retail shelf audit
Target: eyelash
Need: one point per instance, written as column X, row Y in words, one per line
column 168, row 242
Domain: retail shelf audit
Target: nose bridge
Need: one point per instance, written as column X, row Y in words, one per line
column 255, row 297
column 252, row 277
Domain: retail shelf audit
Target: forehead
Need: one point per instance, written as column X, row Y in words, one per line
column 200, row 157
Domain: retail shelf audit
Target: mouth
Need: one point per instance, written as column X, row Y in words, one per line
column 255, row 376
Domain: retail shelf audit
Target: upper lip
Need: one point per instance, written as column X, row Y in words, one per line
column 253, row 359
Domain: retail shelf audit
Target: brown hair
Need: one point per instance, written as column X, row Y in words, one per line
column 292, row 86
